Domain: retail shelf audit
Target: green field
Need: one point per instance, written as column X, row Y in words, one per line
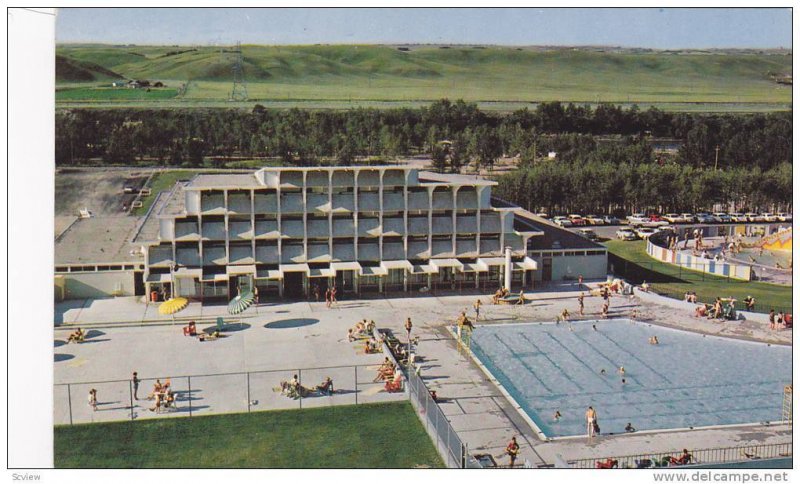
column 322, row 75
column 386, row 435
column 630, row 260
column 109, row 94
column 162, row 180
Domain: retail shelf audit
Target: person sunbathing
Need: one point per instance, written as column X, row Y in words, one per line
column 158, row 388
column 701, row 311
column 326, row 386
column 210, row 337
column 385, row 372
column 372, row 346
column 497, row 295
column 395, row 384
column 77, row 337
column 463, row 321
column 684, row 459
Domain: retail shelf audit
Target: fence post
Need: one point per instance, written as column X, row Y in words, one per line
column 69, row 401
column 300, row 384
column 130, row 391
column 248, row 392
column 355, row 380
column 190, row 394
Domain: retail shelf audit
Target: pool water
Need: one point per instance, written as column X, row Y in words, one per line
column 687, row 380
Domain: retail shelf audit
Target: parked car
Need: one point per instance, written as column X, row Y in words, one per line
column 784, row 217
column 594, row 220
column 637, row 219
column 611, row 220
column 562, row 221
column 626, row 233
column 588, row 234
column 673, row 218
column 655, row 221
column 769, row 217
column 722, row 217
column 704, row 218
column 542, row 215
column 576, row 219
column 645, row 232
column 754, row 217
column 688, row 218
column 738, row 217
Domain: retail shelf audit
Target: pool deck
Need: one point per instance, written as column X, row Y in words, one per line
column 479, row 413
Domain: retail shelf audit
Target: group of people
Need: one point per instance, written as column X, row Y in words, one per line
column 391, row 375
column 163, row 395
column 191, row 330
column 361, row 330
column 294, row 389
column 690, row 296
column 504, row 295
column 781, row 321
column 718, row 310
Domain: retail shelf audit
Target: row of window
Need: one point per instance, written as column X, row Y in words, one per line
column 99, row 268
column 567, row 253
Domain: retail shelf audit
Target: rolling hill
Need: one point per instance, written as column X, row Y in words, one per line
column 477, row 73
column 74, row 70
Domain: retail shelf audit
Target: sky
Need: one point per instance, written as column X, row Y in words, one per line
column 658, row 28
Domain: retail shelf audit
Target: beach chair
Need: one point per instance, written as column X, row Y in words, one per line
column 220, row 324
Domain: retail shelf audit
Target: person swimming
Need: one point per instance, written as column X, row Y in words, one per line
column 602, row 371
column 621, row 370
column 557, row 415
column 594, row 327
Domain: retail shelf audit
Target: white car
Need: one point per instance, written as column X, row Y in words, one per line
column 704, row 218
column 626, row 233
column 769, row 217
column 784, row 217
column 588, row 234
column 721, row 217
column 688, row 218
column 645, row 232
column 754, row 217
column 738, row 217
column 673, row 218
column 637, row 219
column 594, row 220
column 562, row 221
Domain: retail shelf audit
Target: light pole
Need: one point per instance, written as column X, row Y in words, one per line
column 408, row 334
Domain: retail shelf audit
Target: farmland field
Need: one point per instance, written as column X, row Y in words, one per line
column 339, row 76
column 102, row 94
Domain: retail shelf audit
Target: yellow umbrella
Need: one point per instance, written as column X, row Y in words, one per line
column 173, row 305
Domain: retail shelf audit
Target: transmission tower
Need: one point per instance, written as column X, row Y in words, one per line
column 239, row 91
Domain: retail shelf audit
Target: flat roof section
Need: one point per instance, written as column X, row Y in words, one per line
column 552, row 236
column 216, row 180
column 97, row 240
column 451, row 178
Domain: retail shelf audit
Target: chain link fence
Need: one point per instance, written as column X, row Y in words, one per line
column 217, row 393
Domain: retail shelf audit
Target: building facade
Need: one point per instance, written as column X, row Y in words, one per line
column 293, row 232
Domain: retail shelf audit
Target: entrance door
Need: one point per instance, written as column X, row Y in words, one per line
column 547, row 269
column 344, row 282
column 293, row 285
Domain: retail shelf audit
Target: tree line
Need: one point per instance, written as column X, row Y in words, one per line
column 452, row 133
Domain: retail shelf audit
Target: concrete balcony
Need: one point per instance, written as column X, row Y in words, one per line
column 214, row 230
column 267, row 254
column 466, row 224
column 467, row 199
column 318, row 202
column 443, row 200
column 343, row 203
column 466, row 248
column 490, row 223
column 240, row 230
column 418, row 250
column 292, row 254
column 344, row 227
column 368, row 202
column 239, row 203
column 214, row 255
column 212, row 203
column 394, row 178
column 291, row 179
column 188, row 256
column 241, row 254
column 318, row 252
column 418, row 225
column 267, row 229
column 490, row 247
column 343, row 179
column 369, row 227
column 317, row 179
column 160, row 256
column 368, row 252
column 187, row 230
column 393, row 251
column 318, row 228
column 266, row 203
column 344, row 252
column 292, row 229
column 369, row 178
column 292, row 203
column 418, row 201
column 394, row 226
column 443, row 225
column 442, row 248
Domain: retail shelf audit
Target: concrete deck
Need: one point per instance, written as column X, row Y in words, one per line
column 132, row 336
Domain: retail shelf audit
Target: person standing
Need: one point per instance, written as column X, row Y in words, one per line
column 512, row 449
column 328, row 297
column 255, row 293
column 93, row 399
column 580, row 304
column 316, row 292
column 135, row 380
column 591, row 421
column 772, row 319
column 333, row 295
column 580, row 281
column 477, row 307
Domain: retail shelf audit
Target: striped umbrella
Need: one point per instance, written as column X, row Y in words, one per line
column 241, row 302
column 172, row 306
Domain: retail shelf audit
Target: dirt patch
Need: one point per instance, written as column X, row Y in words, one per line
column 102, row 191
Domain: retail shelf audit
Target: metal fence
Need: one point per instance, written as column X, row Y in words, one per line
column 444, row 437
column 217, row 393
column 720, row 455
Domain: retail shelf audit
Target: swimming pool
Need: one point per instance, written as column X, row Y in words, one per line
column 687, row 380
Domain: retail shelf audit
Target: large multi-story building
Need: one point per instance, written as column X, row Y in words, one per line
column 362, row 229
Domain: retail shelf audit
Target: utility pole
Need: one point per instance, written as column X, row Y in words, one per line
column 239, row 91
column 716, row 157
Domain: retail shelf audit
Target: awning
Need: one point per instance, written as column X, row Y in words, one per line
column 322, row 273
column 397, row 264
column 424, row 269
column 186, row 272
column 159, row 278
column 245, row 269
column 373, row 271
column 527, row 264
column 474, row 267
column 493, row 261
column 346, row 266
column 440, row 263
column 294, row 268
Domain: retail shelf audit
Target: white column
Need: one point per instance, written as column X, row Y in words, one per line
column 507, row 268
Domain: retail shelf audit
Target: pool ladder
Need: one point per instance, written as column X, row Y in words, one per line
column 787, row 404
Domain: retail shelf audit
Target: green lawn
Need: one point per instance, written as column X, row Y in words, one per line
column 386, row 435
column 162, row 180
column 630, row 260
column 100, row 94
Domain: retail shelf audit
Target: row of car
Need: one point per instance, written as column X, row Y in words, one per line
column 643, row 220
column 636, row 233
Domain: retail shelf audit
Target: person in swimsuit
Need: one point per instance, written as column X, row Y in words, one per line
column 591, row 419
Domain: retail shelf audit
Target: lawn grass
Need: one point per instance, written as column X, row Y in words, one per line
column 631, row 261
column 162, row 180
column 385, row 435
column 101, row 94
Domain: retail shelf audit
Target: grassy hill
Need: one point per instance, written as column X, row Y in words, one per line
column 74, row 70
column 418, row 73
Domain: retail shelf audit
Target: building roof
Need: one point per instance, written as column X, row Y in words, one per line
column 224, row 180
column 431, row 177
column 553, row 237
column 98, row 240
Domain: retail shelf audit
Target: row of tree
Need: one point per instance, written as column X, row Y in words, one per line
column 606, row 187
column 453, row 133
